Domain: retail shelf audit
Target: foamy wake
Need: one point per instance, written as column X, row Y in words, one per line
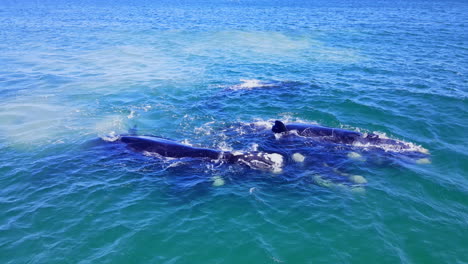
column 400, row 146
column 250, row 84
column 111, row 137
column 404, row 147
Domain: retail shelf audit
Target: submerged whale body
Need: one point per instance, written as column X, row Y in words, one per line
column 173, row 149
column 343, row 136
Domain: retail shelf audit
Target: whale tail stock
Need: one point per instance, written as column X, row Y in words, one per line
column 279, row 127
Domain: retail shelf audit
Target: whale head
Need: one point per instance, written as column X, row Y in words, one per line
column 259, row 160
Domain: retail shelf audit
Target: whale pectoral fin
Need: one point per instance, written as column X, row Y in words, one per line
column 279, row 127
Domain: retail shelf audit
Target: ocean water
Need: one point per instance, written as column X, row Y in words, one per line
column 217, row 73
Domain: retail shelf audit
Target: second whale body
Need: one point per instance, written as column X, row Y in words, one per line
column 343, row 136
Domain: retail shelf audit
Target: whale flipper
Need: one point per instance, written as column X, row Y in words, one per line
column 279, row 127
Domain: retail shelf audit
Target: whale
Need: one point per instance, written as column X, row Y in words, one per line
column 343, row 136
column 335, row 135
column 162, row 147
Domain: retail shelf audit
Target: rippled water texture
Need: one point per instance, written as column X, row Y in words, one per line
column 212, row 74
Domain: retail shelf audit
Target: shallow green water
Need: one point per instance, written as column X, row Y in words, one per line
column 196, row 73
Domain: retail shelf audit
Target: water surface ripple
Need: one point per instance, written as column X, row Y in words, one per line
column 216, row 74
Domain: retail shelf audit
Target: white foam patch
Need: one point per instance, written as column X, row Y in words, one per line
column 224, row 146
column 186, row 142
column 267, row 124
column 131, row 115
column 355, row 156
column 174, row 164
column 358, row 190
column 424, row 151
column 423, row 161
column 298, row 157
column 254, row 147
column 218, row 181
column 107, row 127
column 111, row 137
column 300, row 121
column 250, row 84
column 277, row 160
column 237, row 153
column 358, row 179
column 278, row 135
column 320, row 181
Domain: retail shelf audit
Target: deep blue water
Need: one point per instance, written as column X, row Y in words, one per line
column 217, row 74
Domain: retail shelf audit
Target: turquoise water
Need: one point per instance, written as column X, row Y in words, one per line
column 199, row 72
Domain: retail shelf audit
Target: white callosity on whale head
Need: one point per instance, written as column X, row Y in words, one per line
column 263, row 161
column 277, row 160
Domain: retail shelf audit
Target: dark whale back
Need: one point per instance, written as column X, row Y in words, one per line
column 336, row 135
column 173, row 149
column 167, row 148
column 343, row 136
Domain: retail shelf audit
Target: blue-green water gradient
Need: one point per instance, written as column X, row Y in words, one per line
column 72, row 72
